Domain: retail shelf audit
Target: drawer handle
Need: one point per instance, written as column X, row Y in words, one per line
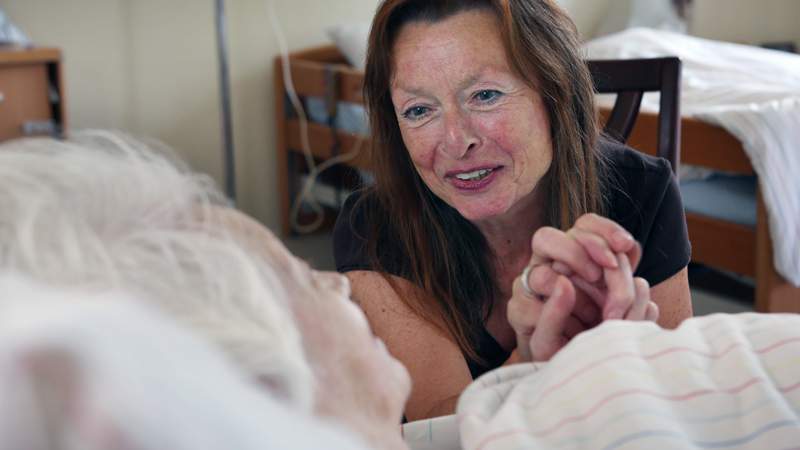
column 2, row 97
column 39, row 128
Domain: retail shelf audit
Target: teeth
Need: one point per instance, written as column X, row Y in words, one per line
column 473, row 176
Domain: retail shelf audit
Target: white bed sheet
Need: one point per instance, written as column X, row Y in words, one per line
column 751, row 92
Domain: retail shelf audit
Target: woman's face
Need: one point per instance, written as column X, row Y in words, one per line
column 478, row 135
column 358, row 382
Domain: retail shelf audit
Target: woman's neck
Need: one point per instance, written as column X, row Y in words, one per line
column 509, row 236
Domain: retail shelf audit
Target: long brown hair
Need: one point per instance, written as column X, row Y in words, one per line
column 447, row 257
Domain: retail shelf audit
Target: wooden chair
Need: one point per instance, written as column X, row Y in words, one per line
column 715, row 242
column 630, row 79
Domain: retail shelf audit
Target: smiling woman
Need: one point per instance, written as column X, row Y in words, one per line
column 488, row 164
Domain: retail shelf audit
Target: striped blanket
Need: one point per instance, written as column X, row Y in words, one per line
column 720, row 381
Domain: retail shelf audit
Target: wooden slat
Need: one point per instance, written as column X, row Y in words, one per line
column 784, row 298
column 721, row 244
column 309, row 80
column 643, row 136
column 702, row 144
column 325, row 53
column 21, row 55
column 308, row 70
column 773, row 293
column 766, row 277
column 321, row 143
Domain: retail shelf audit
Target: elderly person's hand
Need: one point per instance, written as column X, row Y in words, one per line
column 572, row 277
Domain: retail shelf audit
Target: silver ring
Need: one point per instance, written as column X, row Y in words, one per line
column 525, row 286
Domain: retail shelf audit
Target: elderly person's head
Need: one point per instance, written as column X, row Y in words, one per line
column 107, row 213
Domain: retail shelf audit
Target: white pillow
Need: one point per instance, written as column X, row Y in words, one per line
column 351, row 39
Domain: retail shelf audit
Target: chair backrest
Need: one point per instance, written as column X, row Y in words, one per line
column 630, row 79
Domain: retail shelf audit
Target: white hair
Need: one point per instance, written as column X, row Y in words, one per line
column 103, row 211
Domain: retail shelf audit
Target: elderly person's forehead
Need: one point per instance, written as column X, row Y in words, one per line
column 258, row 239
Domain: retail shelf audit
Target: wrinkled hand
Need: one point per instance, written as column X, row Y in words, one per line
column 579, row 278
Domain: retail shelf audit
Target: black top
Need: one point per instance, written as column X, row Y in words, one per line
column 643, row 197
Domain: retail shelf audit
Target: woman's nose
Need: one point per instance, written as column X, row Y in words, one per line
column 459, row 135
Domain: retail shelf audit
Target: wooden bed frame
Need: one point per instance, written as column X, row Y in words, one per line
column 323, row 72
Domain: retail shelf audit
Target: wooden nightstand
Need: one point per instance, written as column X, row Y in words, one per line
column 31, row 94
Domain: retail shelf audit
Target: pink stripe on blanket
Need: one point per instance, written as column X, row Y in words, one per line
column 681, row 397
column 676, row 398
column 656, row 355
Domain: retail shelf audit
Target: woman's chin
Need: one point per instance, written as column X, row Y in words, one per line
column 481, row 212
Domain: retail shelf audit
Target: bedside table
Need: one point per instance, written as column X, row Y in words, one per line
column 31, row 94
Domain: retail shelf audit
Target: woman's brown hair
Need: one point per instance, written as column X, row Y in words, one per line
column 445, row 255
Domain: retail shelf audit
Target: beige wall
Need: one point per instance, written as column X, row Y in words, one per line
column 747, row 21
column 587, row 15
column 90, row 32
column 149, row 66
column 743, row 21
column 173, row 92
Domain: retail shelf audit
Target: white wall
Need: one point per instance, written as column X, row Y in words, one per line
column 149, row 66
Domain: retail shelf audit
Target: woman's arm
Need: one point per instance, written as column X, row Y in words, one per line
column 673, row 298
column 438, row 370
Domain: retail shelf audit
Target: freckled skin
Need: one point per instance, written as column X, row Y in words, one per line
column 444, row 73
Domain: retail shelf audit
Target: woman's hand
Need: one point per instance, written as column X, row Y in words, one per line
column 582, row 253
column 543, row 319
column 572, row 277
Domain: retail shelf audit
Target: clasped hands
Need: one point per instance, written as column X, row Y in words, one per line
column 576, row 280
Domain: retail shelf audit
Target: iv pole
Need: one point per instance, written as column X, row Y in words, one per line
column 225, row 101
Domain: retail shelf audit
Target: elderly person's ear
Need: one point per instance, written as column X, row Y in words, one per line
column 55, row 383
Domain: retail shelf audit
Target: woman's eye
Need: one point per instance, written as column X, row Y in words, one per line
column 487, row 95
column 416, row 112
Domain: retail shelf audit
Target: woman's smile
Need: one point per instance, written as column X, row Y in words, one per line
column 474, row 180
